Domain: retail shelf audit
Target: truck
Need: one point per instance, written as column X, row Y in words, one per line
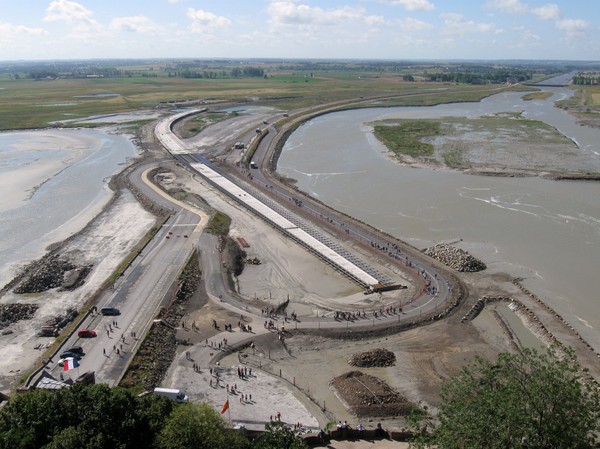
column 172, row 393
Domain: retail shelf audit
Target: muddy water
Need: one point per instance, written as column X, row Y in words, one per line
column 64, row 203
column 544, row 231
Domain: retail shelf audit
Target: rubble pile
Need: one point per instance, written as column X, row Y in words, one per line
column 11, row 313
column 373, row 358
column 253, row 261
column 53, row 271
column 52, row 326
column 455, row 258
column 367, row 395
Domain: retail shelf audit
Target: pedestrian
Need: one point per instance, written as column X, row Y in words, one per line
column 104, row 351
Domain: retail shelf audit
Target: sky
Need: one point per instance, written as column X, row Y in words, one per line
column 330, row 29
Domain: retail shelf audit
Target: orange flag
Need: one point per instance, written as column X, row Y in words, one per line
column 225, row 406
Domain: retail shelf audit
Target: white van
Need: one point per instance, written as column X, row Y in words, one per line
column 253, row 165
column 172, row 394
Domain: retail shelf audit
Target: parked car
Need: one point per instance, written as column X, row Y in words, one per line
column 67, row 354
column 76, row 350
column 86, row 333
column 110, row 311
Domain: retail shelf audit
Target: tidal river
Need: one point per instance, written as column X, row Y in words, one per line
column 547, row 232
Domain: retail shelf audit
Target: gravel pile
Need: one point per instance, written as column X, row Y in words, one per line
column 368, row 395
column 11, row 313
column 455, row 258
column 373, row 358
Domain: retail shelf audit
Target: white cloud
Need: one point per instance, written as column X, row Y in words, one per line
column 70, row 12
column 136, row 24
column 205, row 19
column 9, row 28
column 572, row 25
column 411, row 5
column 508, row 6
column 288, row 13
column 10, row 32
column 457, row 25
column 410, row 24
column 549, row 11
column 528, row 37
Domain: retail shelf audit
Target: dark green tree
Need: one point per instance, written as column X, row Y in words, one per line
column 278, row 436
column 198, row 426
column 529, row 400
column 91, row 417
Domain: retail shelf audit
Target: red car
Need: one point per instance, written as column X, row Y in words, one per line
column 86, row 333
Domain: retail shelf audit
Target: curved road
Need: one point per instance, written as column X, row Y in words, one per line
column 428, row 302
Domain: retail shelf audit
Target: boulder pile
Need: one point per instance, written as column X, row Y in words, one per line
column 53, row 271
column 455, row 258
column 11, row 313
column 373, row 358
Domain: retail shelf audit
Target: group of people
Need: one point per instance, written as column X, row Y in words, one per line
column 344, row 427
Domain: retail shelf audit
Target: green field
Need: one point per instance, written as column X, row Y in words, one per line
column 25, row 103
column 406, row 138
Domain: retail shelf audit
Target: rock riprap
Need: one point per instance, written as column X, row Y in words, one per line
column 455, row 258
column 11, row 313
column 373, row 358
column 53, row 271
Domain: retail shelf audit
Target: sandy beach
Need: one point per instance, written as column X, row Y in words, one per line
column 31, row 158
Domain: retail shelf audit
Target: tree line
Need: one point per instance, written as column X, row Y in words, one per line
column 525, row 400
column 493, row 77
column 587, row 80
column 246, row 72
column 100, row 417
